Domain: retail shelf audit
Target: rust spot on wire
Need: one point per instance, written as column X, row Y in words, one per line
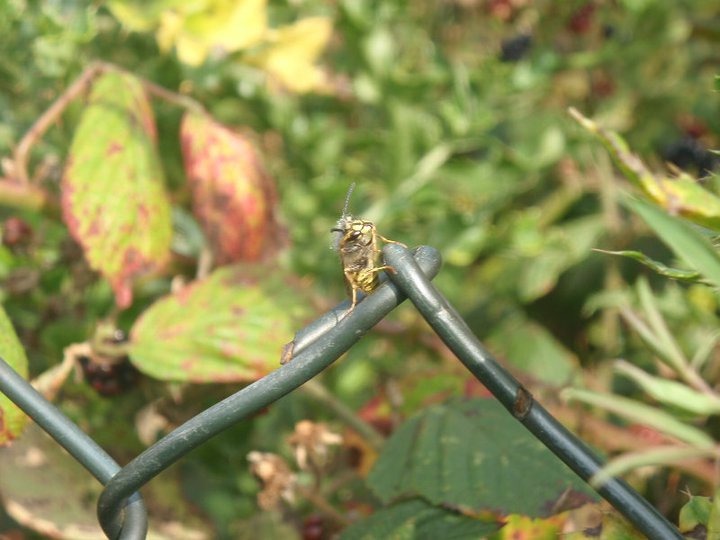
column 523, row 403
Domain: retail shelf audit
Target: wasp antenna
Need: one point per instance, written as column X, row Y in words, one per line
column 347, row 199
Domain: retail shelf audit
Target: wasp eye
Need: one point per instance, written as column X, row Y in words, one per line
column 355, row 235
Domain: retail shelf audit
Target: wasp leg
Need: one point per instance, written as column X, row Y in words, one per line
column 381, row 237
column 354, row 295
column 386, row 267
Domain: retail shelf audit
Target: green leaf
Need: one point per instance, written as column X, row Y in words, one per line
column 228, row 327
column 559, row 247
column 642, row 414
column 472, row 454
column 530, row 347
column 12, row 419
column 695, row 514
column 682, row 195
column 416, row 519
column 663, row 339
column 689, row 276
column 113, row 198
column 701, row 514
column 685, row 241
column 657, row 455
column 671, row 392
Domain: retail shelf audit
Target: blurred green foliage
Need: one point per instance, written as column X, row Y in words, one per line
column 451, row 116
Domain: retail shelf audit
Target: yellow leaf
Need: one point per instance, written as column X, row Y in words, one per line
column 170, row 27
column 292, row 51
column 141, row 16
column 231, row 24
column 220, row 25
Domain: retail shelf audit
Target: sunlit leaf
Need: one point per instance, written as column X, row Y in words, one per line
column 12, row 419
column 233, row 195
column 140, row 15
column 642, row 414
column 700, row 517
column 415, row 519
column 683, row 196
column 613, row 527
column 290, row 53
column 690, row 276
column 671, row 392
column 472, row 454
column 657, row 455
column 222, row 26
column 113, row 197
column 519, row 527
column 229, row 327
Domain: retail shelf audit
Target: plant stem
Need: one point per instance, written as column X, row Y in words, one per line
column 80, row 86
column 320, row 393
column 42, row 124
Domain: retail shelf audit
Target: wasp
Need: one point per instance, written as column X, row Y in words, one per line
column 357, row 243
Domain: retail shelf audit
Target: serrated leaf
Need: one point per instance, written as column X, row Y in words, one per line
column 689, row 276
column 233, row 195
column 113, row 198
column 12, row 419
column 416, row 519
column 685, row 241
column 228, row 327
column 290, row 53
column 472, row 454
column 683, row 196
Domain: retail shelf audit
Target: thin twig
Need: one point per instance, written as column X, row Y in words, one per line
column 320, row 393
column 49, row 117
column 76, row 89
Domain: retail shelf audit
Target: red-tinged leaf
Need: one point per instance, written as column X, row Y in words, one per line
column 113, row 197
column 233, row 195
column 228, row 327
column 12, row 419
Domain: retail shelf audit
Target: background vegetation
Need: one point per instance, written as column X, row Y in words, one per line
column 452, row 118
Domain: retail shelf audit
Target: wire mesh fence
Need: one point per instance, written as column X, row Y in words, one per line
column 120, row 509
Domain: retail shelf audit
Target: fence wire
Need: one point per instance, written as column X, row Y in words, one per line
column 121, row 512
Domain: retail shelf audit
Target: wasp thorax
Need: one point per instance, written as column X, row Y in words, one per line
column 356, row 240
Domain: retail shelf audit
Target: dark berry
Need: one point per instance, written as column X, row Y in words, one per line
column 109, row 379
column 515, row 48
column 690, row 155
column 608, row 31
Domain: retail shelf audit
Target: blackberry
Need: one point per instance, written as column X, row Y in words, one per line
column 515, row 48
column 690, row 155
